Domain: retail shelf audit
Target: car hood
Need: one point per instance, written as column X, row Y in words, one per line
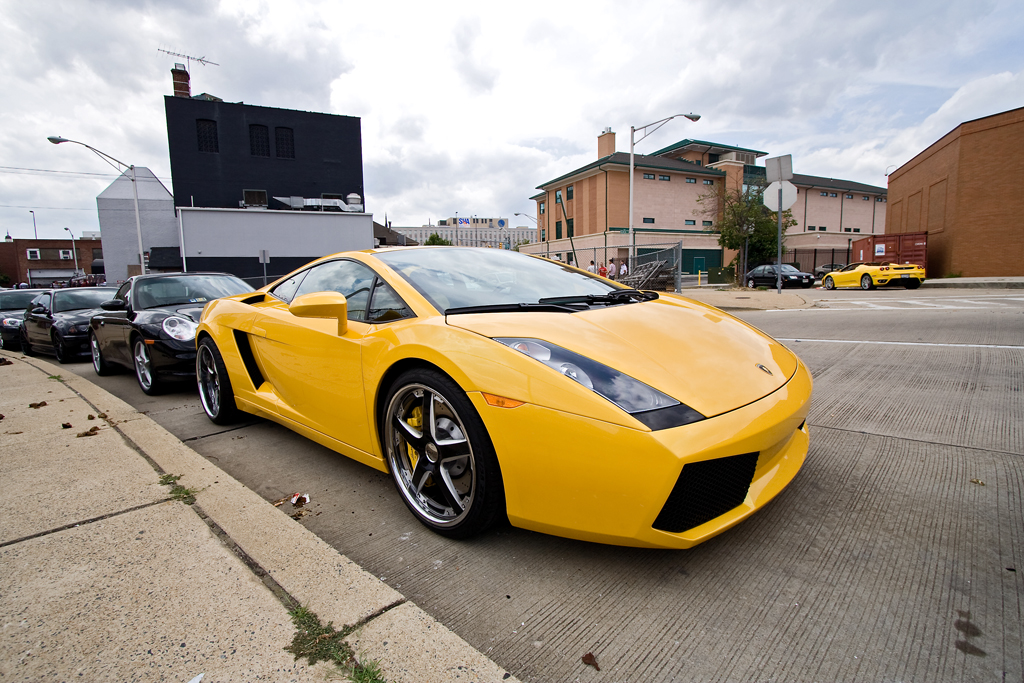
column 696, row 354
column 191, row 311
column 18, row 313
column 81, row 315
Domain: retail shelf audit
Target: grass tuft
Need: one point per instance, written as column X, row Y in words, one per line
column 316, row 642
column 178, row 492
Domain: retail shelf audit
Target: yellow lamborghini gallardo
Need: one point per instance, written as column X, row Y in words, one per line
column 491, row 383
column 871, row 275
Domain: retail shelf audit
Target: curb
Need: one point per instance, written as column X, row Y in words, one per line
column 293, row 563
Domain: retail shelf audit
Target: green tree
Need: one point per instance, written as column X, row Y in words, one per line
column 437, row 240
column 515, row 247
column 745, row 224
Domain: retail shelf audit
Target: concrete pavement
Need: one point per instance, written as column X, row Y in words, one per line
column 105, row 576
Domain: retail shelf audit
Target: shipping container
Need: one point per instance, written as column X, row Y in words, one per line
column 911, row 247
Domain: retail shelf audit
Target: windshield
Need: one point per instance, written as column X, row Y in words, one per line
column 77, row 299
column 786, row 268
column 10, row 301
column 185, row 289
column 458, row 277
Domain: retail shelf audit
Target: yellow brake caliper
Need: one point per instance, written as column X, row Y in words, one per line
column 416, row 422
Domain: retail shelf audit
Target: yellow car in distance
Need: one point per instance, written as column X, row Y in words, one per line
column 490, row 383
column 871, row 275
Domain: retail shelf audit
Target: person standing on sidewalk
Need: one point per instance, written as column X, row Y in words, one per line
column 603, row 270
column 613, row 270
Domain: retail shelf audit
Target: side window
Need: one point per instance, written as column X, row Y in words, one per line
column 125, row 293
column 42, row 300
column 286, row 290
column 345, row 277
column 386, row 305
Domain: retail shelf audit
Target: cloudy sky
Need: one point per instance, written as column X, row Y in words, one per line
column 467, row 106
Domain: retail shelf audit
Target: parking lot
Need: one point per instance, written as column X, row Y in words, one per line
column 896, row 554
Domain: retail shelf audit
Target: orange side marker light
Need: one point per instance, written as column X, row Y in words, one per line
column 501, row 401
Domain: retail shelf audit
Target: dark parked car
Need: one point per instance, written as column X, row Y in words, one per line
column 765, row 276
column 822, row 271
column 13, row 304
column 150, row 325
column 57, row 321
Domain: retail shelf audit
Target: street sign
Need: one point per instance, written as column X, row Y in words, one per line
column 779, row 168
column 264, row 256
column 771, row 195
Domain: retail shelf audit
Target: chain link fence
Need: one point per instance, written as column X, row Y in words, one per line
column 662, row 266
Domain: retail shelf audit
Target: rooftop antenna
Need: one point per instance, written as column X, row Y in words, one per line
column 188, row 59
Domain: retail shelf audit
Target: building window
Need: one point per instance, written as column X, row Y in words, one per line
column 259, row 141
column 648, row 176
column 254, row 197
column 558, row 230
column 648, row 220
column 849, row 196
column 865, row 198
column 856, row 229
column 847, row 229
column 284, row 143
column 542, row 208
column 824, row 194
column 65, row 255
column 569, row 227
column 811, row 228
column 558, row 197
column 822, row 228
column 206, row 131
column 709, row 182
column 832, row 194
column 691, row 222
column 706, row 224
column 664, row 177
column 543, row 234
column 568, row 193
column 32, row 254
column 692, row 181
column 880, row 199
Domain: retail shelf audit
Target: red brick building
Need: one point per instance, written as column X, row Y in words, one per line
column 965, row 191
column 41, row 262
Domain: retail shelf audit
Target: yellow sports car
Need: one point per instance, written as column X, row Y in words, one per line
column 871, row 275
column 491, row 383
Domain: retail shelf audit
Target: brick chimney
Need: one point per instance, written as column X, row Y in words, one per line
column 181, row 81
column 605, row 143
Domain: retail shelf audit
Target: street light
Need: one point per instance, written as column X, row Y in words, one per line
column 632, row 144
column 74, row 251
column 527, row 215
column 34, row 224
column 55, row 139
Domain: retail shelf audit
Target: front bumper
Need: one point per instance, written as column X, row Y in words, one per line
column 172, row 359
column 10, row 338
column 594, row 481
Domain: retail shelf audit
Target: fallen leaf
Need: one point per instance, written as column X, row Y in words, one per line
column 13, row 433
column 1, row 417
column 102, row 416
column 4, row 361
column 37, row 405
column 299, row 515
column 590, row 660
column 91, row 417
column 65, row 425
column 92, row 431
column 979, row 482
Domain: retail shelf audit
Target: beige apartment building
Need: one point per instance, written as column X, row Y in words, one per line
column 588, row 208
column 475, row 231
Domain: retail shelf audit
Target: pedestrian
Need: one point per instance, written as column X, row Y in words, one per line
column 623, row 271
column 592, row 268
column 603, row 270
column 613, row 270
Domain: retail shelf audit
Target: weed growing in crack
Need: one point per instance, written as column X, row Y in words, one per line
column 316, row 642
column 178, row 492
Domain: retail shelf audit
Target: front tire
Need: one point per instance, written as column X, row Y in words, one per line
column 828, row 283
column 60, row 350
column 866, row 283
column 99, row 363
column 214, row 384
column 440, row 456
column 26, row 348
column 145, row 373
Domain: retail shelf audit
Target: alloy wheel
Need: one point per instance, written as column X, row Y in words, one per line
column 209, row 381
column 143, row 365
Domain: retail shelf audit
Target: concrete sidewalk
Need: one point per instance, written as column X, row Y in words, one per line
column 104, row 576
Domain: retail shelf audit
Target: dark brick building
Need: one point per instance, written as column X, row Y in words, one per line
column 40, row 262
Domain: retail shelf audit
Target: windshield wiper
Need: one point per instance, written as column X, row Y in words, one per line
column 618, row 296
column 542, row 307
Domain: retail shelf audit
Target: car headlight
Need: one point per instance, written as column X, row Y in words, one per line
column 179, row 328
column 11, row 322
column 645, row 403
column 78, row 329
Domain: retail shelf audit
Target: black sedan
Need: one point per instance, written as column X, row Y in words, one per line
column 765, row 276
column 13, row 304
column 57, row 321
column 150, row 325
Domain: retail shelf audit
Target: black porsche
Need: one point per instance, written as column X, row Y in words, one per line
column 150, row 325
column 57, row 321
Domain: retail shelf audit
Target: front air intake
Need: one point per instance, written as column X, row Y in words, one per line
column 706, row 490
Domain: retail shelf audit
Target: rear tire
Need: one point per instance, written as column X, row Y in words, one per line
column 866, row 283
column 215, row 391
column 440, row 456
column 99, row 364
column 828, row 283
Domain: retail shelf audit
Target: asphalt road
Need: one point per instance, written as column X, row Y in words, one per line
column 896, row 554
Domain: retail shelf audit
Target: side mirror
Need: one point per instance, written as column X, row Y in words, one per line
column 113, row 305
column 322, row 305
column 38, row 309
